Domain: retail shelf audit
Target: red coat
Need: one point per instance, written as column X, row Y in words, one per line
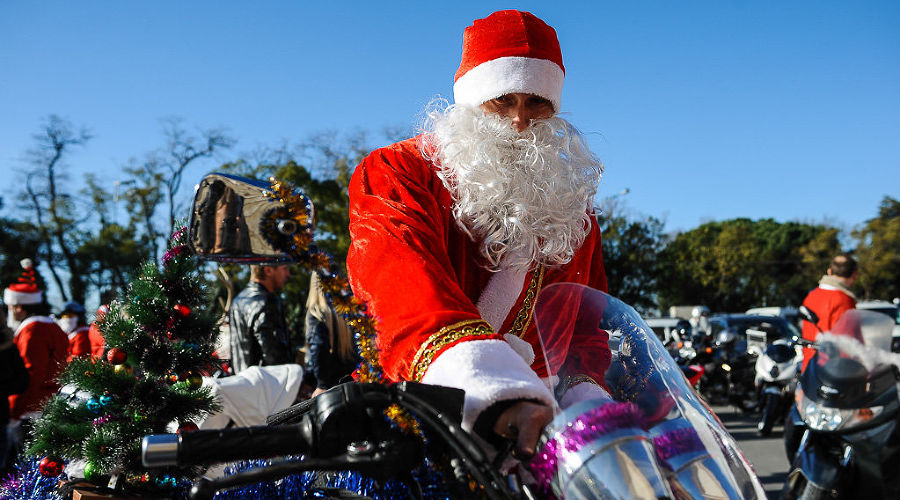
column 43, row 347
column 98, row 343
column 79, row 342
column 421, row 276
column 829, row 304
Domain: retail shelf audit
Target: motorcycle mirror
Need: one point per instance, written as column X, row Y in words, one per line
column 807, row 315
column 234, row 220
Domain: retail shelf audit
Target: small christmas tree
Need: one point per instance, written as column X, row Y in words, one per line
column 160, row 340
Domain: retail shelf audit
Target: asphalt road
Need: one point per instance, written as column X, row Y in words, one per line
column 765, row 454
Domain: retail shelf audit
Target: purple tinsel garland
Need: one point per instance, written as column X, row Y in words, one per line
column 584, row 429
column 677, row 442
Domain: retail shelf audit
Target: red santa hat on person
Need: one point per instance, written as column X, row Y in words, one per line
column 509, row 52
column 25, row 291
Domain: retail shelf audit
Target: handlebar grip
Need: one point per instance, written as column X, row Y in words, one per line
column 223, row 445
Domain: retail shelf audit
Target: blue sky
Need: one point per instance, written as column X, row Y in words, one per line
column 704, row 110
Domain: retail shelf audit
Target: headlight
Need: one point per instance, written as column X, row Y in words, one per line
column 820, row 418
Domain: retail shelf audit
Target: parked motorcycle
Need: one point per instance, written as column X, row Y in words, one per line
column 776, row 378
column 729, row 372
column 842, row 435
column 642, row 433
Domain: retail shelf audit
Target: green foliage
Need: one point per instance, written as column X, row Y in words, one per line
column 740, row 263
column 631, row 257
column 879, row 252
column 162, row 325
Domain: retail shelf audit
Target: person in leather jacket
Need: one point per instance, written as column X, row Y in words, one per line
column 259, row 333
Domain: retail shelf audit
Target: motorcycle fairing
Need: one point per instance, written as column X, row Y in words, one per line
column 649, row 427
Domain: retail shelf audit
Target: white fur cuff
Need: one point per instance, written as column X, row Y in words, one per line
column 489, row 371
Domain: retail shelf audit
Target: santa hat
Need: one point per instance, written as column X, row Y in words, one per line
column 26, row 290
column 509, row 52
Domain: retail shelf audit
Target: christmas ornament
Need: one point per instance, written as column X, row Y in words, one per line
column 93, row 405
column 193, row 380
column 91, row 472
column 170, row 334
column 123, row 369
column 171, row 378
column 51, row 466
column 105, row 400
column 116, row 356
column 187, row 427
column 182, row 311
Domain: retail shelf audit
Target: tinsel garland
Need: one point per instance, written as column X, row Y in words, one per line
column 584, row 429
column 298, row 208
column 310, row 485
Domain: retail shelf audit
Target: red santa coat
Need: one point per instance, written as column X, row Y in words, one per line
column 43, row 347
column 829, row 303
column 421, row 276
column 79, row 342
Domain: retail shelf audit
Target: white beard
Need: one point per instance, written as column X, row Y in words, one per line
column 525, row 196
column 11, row 322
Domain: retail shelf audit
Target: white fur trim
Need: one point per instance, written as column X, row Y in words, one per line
column 500, row 295
column 521, row 346
column 11, row 297
column 506, row 75
column 33, row 319
column 489, row 371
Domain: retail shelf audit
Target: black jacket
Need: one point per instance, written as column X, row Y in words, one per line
column 324, row 366
column 13, row 376
column 259, row 334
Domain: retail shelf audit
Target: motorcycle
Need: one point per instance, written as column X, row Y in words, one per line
column 842, row 435
column 640, row 433
column 729, row 372
column 776, row 379
column 634, row 429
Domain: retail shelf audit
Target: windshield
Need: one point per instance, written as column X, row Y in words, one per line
column 628, row 425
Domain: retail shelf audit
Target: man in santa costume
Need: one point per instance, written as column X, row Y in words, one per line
column 41, row 343
column 831, row 299
column 455, row 231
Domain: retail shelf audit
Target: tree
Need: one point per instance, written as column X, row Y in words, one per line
column 878, row 252
column 160, row 340
column 740, row 263
column 52, row 207
column 631, row 248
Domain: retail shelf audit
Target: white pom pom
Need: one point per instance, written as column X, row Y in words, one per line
column 26, row 263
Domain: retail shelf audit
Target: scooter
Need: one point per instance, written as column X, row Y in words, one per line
column 842, row 435
column 776, row 380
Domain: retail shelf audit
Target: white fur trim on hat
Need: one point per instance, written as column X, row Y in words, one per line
column 508, row 75
column 12, row 297
column 489, row 371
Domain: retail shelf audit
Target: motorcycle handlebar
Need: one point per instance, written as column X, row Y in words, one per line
column 223, row 445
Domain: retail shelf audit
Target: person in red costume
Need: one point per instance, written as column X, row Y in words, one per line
column 456, row 230
column 72, row 321
column 831, row 299
column 41, row 343
column 98, row 343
